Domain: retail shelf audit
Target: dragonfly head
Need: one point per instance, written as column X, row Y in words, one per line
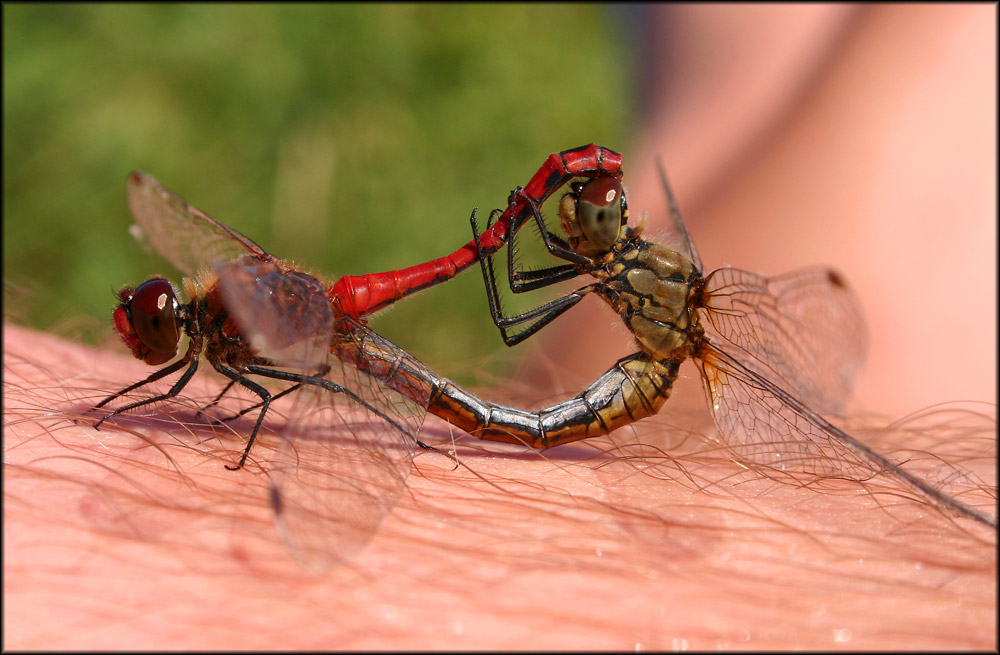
column 594, row 214
column 146, row 320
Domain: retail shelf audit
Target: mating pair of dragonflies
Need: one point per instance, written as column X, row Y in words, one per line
column 774, row 353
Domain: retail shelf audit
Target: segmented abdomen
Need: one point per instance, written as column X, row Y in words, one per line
column 634, row 388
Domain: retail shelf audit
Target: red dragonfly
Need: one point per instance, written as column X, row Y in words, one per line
column 253, row 315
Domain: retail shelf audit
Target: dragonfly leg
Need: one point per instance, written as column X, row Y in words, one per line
column 328, row 385
column 260, row 392
column 191, row 363
column 251, row 408
column 521, row 281
column 322, row 371
column 538, row 317
column 554, row 244
column 217, row 399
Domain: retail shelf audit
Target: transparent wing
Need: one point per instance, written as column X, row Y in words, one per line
column 762, row 423
column 341, row 466
column 805, row 330
column 184, row 235
column 678, row 230
column 284, row 313
column 346, row 448
column 758, row 423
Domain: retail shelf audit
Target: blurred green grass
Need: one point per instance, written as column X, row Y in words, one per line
column 350, row 139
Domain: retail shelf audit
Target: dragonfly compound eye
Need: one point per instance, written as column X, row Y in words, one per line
column 152, row 314
column 602, row 212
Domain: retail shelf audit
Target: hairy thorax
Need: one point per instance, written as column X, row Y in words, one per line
column 652, row 288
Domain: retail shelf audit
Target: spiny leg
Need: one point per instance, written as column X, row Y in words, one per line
column 521, row 281
column 174, row 390
column 260, row 392
column 216, row 401
column 538, row 317
column 251, row 408
column 553, row 243
column 332, row 387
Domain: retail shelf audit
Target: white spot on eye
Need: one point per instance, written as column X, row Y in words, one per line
column 611, row 195
column 678, row 644
column 161, row 301
column 456, row 628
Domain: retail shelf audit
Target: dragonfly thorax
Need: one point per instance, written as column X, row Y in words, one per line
column 651, row 287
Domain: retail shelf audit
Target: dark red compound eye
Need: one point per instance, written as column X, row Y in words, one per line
column 601, row 211
column 152, row 314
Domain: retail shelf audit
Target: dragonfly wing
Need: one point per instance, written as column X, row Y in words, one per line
column 763, row 424
column 340, row 467
column 184, row 235
column 284, row 313
column 805, row 330
column 346, row 448
column 678, row 230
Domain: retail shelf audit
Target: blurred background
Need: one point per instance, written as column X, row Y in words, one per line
column 349, row 139
column 354, row 139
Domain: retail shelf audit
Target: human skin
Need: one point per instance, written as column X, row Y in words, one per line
column 110, row 544
column 138, row 537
